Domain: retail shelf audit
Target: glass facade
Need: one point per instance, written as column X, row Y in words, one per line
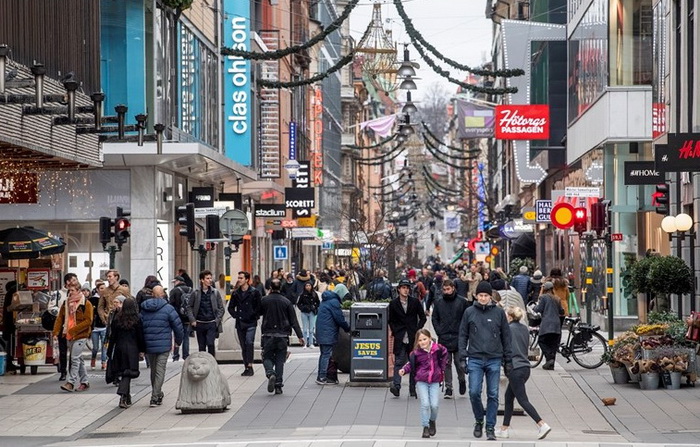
column 588, row 59
column 631, row 24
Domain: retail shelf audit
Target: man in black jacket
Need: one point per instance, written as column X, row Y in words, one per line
column 244, row 307
column 278, row 320
column 179, row 290
column 406, row 316
column 447, row 317
column 484, row 337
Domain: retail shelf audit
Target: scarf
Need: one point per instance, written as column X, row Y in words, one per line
column 74, row 300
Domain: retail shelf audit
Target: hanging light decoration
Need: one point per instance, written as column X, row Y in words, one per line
column 409, row 107
column 378, row 54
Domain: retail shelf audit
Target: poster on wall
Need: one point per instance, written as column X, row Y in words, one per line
column 38, row 279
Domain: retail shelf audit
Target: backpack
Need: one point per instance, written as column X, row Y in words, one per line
column 185, row 298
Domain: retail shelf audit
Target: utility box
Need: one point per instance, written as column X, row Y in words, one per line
column 369, row 342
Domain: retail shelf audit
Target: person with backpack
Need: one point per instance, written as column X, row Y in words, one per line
column 379, row 288
column 427, row 363
column 179, row 298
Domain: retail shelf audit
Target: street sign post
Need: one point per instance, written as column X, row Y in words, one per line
column 234, row 224
column 280, row 252
column 543, row 209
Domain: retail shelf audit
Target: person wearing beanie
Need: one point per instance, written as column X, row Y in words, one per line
column 417, row 287
column 549, row 307
column 447, row 317
column 485, row 339
column 535, row 287
column 521, row 282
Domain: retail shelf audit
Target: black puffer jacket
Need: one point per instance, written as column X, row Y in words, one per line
column 308, row 302
column 484, row 333
column 447, row 316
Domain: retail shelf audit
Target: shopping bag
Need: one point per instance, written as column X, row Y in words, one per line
column 693, row 333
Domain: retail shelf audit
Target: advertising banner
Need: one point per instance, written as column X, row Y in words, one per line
column 367, row 348
column 236, row 73
column 642, row 173
column 270, row 210
column 658, row 119
column 474, row 121
column 299, row 198
column 522, row 122
column 19, row 187
column 682, row 153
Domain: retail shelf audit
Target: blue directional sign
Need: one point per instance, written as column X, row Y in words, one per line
column 327, row 245
column 280, row 252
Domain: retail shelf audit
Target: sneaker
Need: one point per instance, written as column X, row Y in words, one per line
column 490, row 434
column 62, row 377
column 83, row 387
column 271, row 383
column 332, row 381
column 448, row 393
column 502, row 433
column 395, row 390
column 92, row 363
column 543, row 431
column 247, row 372
column 462, row 387
column 67, row 387
column 426, row 432
column 122, row 402
column 478, row 429
column 278, row 390
column 153, row 403
column 432, row 428
column 548, row 365
column 322, row 381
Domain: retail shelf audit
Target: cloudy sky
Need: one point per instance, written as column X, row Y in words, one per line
column 456, row 28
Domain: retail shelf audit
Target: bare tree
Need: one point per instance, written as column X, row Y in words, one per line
column 433, row 109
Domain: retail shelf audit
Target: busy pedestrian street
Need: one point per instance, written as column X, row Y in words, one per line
column 32, row 413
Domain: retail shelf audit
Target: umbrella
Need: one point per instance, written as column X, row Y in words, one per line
column 28, row 243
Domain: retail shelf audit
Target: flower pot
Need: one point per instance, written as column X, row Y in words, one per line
column 620, row 374
column 672, row 380
column 634, row 378
column 649, row 381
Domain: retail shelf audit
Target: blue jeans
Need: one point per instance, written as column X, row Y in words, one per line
column 308, row 325
column 246, row 338
column 98, row 343
column 429, row 395
column 326, row 351
column 477, row 368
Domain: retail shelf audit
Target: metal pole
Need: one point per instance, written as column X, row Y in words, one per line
column 679, row 240
column 691, row 236
column 589, row 277
column 112, row 249
column 202, row 257
column 227, row 268
column 609, row 285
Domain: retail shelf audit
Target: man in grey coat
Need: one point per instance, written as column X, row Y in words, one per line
column 206, row 311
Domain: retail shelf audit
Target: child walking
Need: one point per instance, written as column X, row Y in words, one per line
column 427, row 361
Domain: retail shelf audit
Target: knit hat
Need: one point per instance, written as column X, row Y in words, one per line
column 484, row 287
column 536, row 277
column 498, row 284
column 523, row 269
column 411, row 273
column 547, row 286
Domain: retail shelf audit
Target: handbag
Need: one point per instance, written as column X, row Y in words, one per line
column 693, row 333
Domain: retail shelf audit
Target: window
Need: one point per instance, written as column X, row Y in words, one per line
column 631, row 42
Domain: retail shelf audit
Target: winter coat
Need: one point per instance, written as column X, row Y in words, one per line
column 83, row 321
column 521, row 284
column 429, row 366
column 342, row 291
column 446, row 317
column 405, row 322
column 520, row 344
column 124, row 348
column 330, row 319
column 160, row 321
column 308, row 302
column 175, row 300
column 509, row 298
column 107, row 296
column 484, row 333
column 379, row 289
column 278, row 317
column 561, row 291
column 434, row 294
column 217, row 304
column 461, row 287
column 550, row 308
column 244, row 306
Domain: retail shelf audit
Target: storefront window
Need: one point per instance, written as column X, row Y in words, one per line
column 588, row 59
column 660, row 70
column 631, row 42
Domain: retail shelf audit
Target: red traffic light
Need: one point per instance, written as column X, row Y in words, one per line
column 580, row 220
column 122, row 224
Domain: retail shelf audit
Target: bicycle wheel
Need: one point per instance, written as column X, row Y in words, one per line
column 534, row 352
column 587, row 349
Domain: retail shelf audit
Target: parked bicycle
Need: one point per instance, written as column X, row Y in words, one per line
column 584, row 344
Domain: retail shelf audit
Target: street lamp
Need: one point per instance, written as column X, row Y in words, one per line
column 682, row 224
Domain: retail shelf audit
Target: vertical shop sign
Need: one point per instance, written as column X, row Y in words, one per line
column 292, row 140
column 658, row 119
column 163, row 253
column 317, row 153
column 188, row 64
column 237, row 129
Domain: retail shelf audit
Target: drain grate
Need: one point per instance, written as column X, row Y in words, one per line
column 599, row 432
column 100, row 435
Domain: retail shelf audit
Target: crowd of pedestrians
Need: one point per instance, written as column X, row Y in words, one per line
column 480, row 319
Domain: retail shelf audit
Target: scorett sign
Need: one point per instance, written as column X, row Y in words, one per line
column 642, row 173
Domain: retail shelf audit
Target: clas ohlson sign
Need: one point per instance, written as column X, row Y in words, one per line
column 237, row 107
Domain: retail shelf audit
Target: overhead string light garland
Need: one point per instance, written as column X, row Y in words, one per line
column 290, row 84
column 373, row 146
column 414, row 34
column 433, row 149
column 432, row 181
column 440, row 143
column 279, row 54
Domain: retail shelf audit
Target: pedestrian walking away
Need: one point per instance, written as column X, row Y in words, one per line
column 446, row 318
column 126, row 341
column 74, row 321
column 406, row 316
column 244, row 306
column 551, row 311
column 330, row 320
column 160, row 321
column 205, row 312
column 427, row 364
column 180, row 297
column 278, row 320
column 484, row 338
column 520, row 337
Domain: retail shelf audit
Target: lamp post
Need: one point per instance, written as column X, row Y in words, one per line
column 683, row 225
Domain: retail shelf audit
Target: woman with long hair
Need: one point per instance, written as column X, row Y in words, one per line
column 125, row 343
column 147, row 291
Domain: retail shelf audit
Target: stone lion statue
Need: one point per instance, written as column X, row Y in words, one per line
column 202, row 387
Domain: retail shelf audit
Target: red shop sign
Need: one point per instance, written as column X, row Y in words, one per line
column 522, row 122
column 19, row 188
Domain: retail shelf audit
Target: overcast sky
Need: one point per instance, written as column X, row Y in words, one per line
column 456, row 28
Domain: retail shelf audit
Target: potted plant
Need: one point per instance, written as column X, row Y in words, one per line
column 637, row 279
column 672, row 363
column 668, row 275
column 624, row 352
column 617, row 369
column 649, row 372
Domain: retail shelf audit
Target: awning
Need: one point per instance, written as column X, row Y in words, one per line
column 523, row 246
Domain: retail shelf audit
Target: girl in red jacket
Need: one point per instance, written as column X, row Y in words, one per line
column 427, row 362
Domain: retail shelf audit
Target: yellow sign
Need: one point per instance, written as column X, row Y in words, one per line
column 609, row 271
column 495, row 251
column 307, row 221
column 589, row 280
column 589, row 269
column 530, row 215
column 610, row 290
